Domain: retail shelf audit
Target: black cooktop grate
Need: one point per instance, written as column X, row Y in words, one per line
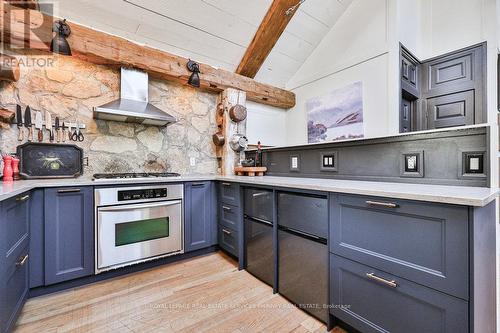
column 134, row 175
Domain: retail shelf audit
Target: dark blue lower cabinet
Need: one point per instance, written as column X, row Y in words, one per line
column 14, row 258
column 69, row 233
column 199, row 216
column 229, row 240
column 37, row 242
column 373, row 301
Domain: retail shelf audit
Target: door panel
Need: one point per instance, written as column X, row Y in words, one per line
column 451, row 110
column 259, row 250
column 199, row 216
column 69, row 239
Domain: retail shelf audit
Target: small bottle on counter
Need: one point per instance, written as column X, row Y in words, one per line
column 15, row 168
column 258, row 155
column 7, row 169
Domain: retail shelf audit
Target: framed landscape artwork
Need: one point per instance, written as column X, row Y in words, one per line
column 337, row 115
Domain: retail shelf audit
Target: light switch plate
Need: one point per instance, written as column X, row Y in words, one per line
column 473, row 164
column 329, row 161
column 295, row 162
column 412, row 164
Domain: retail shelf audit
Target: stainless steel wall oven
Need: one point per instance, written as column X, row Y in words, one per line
column 137, row 224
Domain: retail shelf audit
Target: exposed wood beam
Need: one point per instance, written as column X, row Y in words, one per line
column 102, row 48
column 270, row 30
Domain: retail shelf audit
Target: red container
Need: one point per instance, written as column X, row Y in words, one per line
column 7, row 169
column 15, row 168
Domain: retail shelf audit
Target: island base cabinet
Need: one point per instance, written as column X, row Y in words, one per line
column 373, row 301
column 69, row 228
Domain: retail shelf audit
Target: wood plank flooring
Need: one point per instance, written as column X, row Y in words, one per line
column 204, row 294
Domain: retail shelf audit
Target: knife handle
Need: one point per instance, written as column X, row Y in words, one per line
column 63, row 135
column 30, row 133
column 40, row 135
column 21, row 134
column 51, row 135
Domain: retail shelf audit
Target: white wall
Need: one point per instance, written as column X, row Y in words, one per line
column 266, row 124
column 355, row 49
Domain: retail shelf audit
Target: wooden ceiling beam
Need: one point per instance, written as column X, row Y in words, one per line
column 270, row 30
column 102, row 48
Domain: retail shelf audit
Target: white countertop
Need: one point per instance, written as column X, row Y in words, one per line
column 459, row 195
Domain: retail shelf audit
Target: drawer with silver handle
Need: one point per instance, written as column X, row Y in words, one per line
column 229, row 193
column 419, row 241
column 371, row 300
column 229, row 216
column 228, row 240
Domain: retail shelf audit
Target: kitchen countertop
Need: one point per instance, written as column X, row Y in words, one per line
column 459, row 195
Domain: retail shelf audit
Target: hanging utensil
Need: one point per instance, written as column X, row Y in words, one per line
column 48, row 125
column 28, row 124
column 238, row 142
column 58, row 130
column 63, row 132
column 77, row 135
column 218, row 139
column 39, row 125
column 19, row 120
column 238, row 112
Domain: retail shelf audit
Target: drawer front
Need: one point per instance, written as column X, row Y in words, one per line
column 229, row 216
column 229, row 193
column 303, row 212
column 258, row 203
column 15, row 223
column 14, row 288
column 228, row 240
column 371, row 304
column 422, row 242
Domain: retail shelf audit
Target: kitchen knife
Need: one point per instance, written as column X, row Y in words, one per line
column 48, row 125
column 64, row 132
column 19, row 119
column 39, row 125
column 58, row 130
column 28, row 124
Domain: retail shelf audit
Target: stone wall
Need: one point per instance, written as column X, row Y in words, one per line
column 70, row 88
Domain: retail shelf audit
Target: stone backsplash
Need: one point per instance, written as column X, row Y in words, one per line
column 70, row 88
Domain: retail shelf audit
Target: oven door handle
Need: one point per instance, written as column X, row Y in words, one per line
column 138, row 206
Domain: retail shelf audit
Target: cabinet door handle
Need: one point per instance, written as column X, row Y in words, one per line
column 388, row 283
column 197, row 184
column 69, row 190
column 382, row 204
column 226, row 184
column 23, row 198
column 255, row 195
column 22, row 261
column 227, row 232
column 226, row 208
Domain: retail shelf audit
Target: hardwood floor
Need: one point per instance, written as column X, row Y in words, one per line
column 204, row 294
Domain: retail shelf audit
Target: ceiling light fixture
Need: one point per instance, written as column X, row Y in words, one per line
column 292, row 9
column 59, row 43
column 194, row 79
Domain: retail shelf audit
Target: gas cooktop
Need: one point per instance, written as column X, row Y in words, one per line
column 133, row 175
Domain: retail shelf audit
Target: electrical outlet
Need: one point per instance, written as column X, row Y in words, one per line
column 192, row 161
column 329, row 161
column 294, row 163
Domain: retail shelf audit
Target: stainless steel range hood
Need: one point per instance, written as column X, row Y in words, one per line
column 133, row 105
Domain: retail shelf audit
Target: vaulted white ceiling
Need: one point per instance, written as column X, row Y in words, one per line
column 215, row 32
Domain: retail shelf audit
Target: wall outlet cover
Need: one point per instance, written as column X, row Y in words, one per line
column 472, row 164
column 412, row 164
column 295, row 162
column 329, row 161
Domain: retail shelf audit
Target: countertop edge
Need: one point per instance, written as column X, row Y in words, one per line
column 464, row 200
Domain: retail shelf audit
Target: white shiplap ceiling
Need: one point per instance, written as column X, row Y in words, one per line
column 215, row 32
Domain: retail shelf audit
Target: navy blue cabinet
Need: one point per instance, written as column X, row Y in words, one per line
column 200, row 226
column 37, row 235
column 69, row 229
column 14, row 240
